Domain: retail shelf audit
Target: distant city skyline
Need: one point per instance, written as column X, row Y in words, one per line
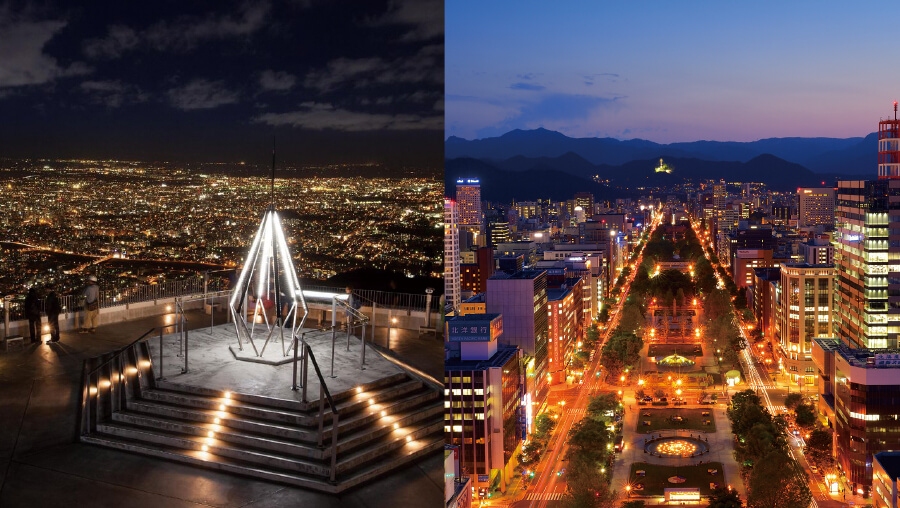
column 667, row 72
column 334, row 81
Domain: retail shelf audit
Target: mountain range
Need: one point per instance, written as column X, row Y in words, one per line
column 829, row 156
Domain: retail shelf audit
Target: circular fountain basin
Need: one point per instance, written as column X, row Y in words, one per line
column 676, row 447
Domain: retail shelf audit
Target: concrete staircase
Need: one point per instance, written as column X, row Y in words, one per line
column 382, row 425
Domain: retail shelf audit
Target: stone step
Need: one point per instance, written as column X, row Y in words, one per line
column 282, row 458
column 280, row 430
column 410, row 452
column 215, row 447
column 266, row 441
column 231, row 407
column 293, row 405
column 396, row 439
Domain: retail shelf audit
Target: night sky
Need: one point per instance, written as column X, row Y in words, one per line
column 670, row 71
column 333, row 81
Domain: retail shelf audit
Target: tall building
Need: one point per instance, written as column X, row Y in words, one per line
column 521, row 298
column 452, row 276
column 859, row 394
column 483, row 402
column 746, row 261
column 884, row 479
column 889, row 147
column 457, row 490
column 498, row 232
column 816, row 206
column 586, row 201
column 471, row 218
column 804, row 313
column 862, row 313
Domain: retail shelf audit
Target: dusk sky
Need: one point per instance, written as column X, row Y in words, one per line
column 335, row 81
column 670, row 71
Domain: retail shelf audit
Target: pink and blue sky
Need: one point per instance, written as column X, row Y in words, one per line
column 670, row 71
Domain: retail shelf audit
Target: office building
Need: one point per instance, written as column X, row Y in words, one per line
column 483, row 403
column 862, row 253
column 817, row 251
column 748, row 260
column 471, row 218
column 457, row 489
column 562, row 340
column 885, row 473
column 522, row 300
column 804, row 314
column 452, row 277
column 815, row 206
column 859, row 394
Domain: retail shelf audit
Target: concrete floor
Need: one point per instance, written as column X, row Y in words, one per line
column 212, row 364
column 42, row 465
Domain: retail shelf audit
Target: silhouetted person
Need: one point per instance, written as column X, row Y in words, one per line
column 33, row 313
column 91, row 296
column 53, row 307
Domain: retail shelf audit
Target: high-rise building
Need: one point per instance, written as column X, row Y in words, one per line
column 863, row 315
column 816, row 206
column 859, row 394
column 452, row 276
column 498, row 232
column 586, row 201
column 457, row 489
column 561, row 329
column 889, row 147
column 521, row 298
column 804, row 313
column 484, row 396
column 468, row 197
column 885, row 475
column 746, row 261
column 471, row 218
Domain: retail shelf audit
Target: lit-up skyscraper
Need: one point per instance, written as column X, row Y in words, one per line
column 471, row 220
column 452, row 277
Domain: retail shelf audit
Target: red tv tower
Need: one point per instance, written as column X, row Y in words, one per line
column 889, row 147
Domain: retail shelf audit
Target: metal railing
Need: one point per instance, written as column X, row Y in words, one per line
column 94, row 385
column 324, row 396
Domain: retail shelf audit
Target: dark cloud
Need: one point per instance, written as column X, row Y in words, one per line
column 278, row 81
column 22, row 57
column 201, row 94
column 527, row 86
column 426, row 66
column 424, row 17
column 324, row 116
column 113, row 94
column 180, row 34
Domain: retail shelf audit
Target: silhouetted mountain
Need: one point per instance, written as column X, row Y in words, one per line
column 822, row 155
column 505, row 186
column 565, row 173
column 858, row 159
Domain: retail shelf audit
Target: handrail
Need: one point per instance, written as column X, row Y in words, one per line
column 360, row 317
column 122, row 350
column 312, row 356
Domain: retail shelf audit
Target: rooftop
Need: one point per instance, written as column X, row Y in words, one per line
column 862, row 357
column 521, row 275
column 499, row 359
column 890, row 462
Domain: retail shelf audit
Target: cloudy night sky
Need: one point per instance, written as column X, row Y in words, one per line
column 670, row 71
column 334, row 81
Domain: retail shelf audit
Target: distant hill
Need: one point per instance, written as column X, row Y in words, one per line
column 526, row 184
column 566, row 172
column 820, row 155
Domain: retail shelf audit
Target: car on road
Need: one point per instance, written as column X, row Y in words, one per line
column 813, row 469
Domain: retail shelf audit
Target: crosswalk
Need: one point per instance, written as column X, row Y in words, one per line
column 553, row 496
column 576, row 411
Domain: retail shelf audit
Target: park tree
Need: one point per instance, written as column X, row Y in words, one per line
column 587, row 486
column 792, row 401
column 589, row 438
column 818, row 446
column 599, row 405
column 805, row 415
column 632, row 319
column 717, row 305
column 544, row 424
column 740, row 301
column 723, row 497
column 778, row 481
